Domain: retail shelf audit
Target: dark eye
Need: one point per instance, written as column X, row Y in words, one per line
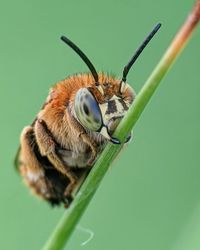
column 87, row 110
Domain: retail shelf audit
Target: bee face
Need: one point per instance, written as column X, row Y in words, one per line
column 80, row 114
column 100, row 109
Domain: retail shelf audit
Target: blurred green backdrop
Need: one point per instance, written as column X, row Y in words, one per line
column 150, row 198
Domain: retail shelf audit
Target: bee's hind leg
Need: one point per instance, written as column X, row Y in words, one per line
column 49, row 148
column 30, row 167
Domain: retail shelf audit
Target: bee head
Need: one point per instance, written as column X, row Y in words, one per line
column 103, row 117
column 102, row 112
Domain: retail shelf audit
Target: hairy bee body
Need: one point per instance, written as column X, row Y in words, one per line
column 57, row 151
column 79, row 116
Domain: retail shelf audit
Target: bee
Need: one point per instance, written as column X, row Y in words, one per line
column 77, row 119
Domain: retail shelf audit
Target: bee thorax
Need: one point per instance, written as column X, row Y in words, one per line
column 73, row 159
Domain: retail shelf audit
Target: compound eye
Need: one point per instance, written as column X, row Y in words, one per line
column 87, row 110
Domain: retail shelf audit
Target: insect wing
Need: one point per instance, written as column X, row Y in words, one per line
column 16, row 160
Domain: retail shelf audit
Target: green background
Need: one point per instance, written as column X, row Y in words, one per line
column 150, row 197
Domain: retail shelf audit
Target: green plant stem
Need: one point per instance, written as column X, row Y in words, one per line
column 72, row 215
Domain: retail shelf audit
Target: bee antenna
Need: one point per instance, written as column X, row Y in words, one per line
column 82, row 56
column 139, row 51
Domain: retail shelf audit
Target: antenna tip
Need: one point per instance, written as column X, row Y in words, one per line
column 157, row 27
column 62, row 38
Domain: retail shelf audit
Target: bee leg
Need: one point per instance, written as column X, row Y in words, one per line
column 30, row 167
column 92, row 146
column 48, row 147
column 83, row 135
column 129, row 137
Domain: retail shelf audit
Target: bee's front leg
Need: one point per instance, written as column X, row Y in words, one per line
column 49, row 148
column 92, row 146
column 85, row 138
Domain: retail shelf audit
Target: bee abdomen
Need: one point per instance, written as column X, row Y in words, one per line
column 38, row 172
